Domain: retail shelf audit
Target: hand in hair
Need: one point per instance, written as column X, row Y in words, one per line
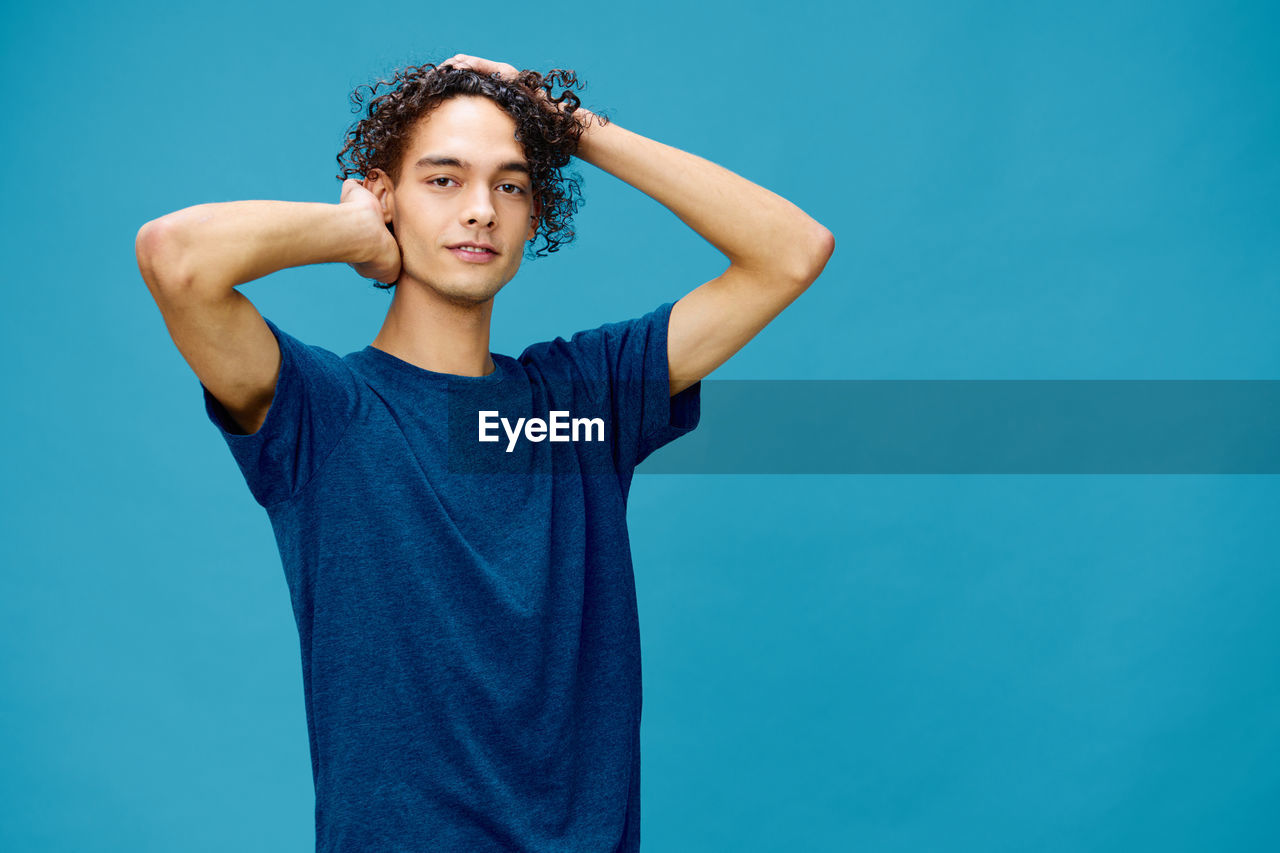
column 510, row 74
column 505, row 72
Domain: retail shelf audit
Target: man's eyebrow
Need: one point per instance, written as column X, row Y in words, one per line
column 429, row 160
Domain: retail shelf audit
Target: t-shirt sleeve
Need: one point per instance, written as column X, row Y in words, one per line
column 314, row 402
column 630, row 359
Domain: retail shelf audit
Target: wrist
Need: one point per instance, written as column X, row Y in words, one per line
column 591, row 125
column 364, row 233
column 598, row 134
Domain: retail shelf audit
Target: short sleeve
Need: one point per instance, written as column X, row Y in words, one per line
column 314, row 402
column 630, row 359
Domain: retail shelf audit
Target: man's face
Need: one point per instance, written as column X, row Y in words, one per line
column 463, row 182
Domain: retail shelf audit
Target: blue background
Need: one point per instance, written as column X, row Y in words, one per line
column 1018, row 191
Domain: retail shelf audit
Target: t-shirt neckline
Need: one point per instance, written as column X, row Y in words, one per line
column 413, row 371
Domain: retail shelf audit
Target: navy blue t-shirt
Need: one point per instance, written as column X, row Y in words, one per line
column 470, row 643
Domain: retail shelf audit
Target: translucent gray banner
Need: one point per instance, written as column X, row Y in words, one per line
column 980, row 427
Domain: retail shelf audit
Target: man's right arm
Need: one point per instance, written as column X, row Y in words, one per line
column 192, row 260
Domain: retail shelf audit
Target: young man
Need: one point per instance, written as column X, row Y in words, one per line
column 470, row 645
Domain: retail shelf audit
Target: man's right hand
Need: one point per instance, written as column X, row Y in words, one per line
column 383, row 263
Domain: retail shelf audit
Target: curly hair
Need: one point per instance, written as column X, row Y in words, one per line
column 546, row 128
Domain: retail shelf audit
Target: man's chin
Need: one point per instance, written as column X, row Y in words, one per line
column 470, row 298
column 467, row 294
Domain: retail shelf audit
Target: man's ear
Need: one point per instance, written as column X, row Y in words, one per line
column 379, row 183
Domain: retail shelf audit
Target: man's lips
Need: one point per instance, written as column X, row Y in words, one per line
column 470, row 245
column 473, row 253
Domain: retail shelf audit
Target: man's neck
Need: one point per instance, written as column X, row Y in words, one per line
column 434, row 333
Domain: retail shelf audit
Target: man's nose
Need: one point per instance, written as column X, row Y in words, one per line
column 478, row 208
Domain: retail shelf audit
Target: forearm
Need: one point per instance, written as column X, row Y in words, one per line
column 754, row 228
column 215, row 247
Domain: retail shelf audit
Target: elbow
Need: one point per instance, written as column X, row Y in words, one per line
column 824, row 248
column 818, row 246
column 158, row 247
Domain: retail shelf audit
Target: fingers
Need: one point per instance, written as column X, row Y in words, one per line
column 480, row 65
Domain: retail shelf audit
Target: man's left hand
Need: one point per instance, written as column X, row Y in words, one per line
column 483, row 66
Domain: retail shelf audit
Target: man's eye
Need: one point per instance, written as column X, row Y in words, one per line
column 511, row 189
column 437, row 181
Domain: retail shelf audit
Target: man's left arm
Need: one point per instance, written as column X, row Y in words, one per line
column 775, row 249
